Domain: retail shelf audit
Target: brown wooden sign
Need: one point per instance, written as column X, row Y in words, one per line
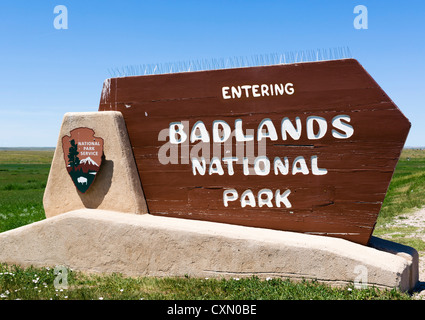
column 307, row 147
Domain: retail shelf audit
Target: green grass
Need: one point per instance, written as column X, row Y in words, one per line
column 23, row 176
column 407, row 188
column 22, row 156
column 406, row 194
column 21, row 194
column 39, row 283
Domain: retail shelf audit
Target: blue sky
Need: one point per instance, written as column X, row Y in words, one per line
column 47, row 72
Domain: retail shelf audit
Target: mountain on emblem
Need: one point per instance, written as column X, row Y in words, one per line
column 83, row 157
column 88, row 161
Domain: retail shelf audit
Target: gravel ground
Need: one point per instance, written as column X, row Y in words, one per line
column 416, row 219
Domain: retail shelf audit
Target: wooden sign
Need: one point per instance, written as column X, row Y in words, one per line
column 307, row 147
column 82, row 153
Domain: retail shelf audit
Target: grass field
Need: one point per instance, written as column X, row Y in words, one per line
column 407, row 188
column 406, row 194
column 38, row 283
column 23, row 176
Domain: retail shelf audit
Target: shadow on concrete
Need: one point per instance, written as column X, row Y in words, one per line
column 406, row 252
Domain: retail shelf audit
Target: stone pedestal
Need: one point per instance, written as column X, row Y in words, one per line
column 145, row 245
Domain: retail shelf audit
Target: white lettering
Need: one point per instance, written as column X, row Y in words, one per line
column 257, row 90
column 264, row 198
column 288, row 127
column 261, row 166
column 268, row 200
column 289, row 88
column 229, row 162
column 216, row 131
column 225, row 92
column 229, row 195
column 203, row 133
column 283, row 198
column 278, row 88
column 315, row 169
column 299, row 165
column 240, row 136
column 199, row 167
column 323, row 125
column 265, row 162
column 270, row 132
column 246, row 88
column 316, row 128
column 345, row 127
column 264, row 90
column 236, row 92
column 247, row 198
column 215, row 167
column 176, row 129
column 279, row 166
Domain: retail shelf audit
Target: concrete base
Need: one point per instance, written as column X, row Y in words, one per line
column 145, row 245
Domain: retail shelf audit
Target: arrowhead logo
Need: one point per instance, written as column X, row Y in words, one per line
column 82, row 153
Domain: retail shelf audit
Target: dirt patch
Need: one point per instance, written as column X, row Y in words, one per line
column 417, row 221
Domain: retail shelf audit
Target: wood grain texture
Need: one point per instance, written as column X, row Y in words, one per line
column 344, row 203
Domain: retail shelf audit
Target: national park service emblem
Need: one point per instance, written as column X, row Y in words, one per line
column 82, row 153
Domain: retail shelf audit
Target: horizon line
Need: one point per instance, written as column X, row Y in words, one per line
column 44, row 148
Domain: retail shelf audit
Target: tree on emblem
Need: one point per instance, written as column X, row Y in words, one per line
column 73, row 159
